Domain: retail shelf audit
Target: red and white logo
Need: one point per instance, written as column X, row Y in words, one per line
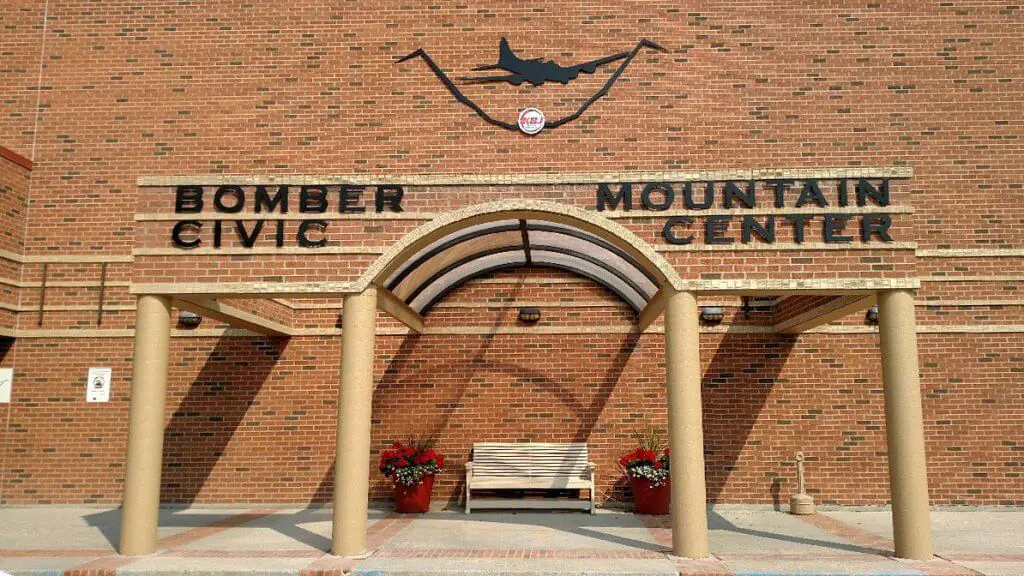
column 531, row 121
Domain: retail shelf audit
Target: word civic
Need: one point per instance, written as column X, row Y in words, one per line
column 782, row 193
column 234, row 199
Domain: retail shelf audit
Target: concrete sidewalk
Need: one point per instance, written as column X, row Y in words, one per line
column 744, row 540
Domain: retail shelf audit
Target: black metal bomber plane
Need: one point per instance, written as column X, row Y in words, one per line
column 534, row 71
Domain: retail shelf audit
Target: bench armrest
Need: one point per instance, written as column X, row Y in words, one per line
column 469, row 465
column 591, row 466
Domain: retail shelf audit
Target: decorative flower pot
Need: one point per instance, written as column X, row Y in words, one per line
column 650, row 499
column 416, row 498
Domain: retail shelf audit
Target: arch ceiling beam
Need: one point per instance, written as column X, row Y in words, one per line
column 653, row 310
column 399, row 310
column 232, row 316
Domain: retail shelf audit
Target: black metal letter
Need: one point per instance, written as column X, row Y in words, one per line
column 280, row 199
column 733, row 192
column 248, row 239
column 180, row 227
column 188, row 199
column 844, row 197
column 714, row 227
column 780, row 187
column 879, row 195
column 669, row 196
column 752, row 226
column 313, row 199
column 389, row 196
column 670, row 234
column 348, row 195
column 834, row 224
column 229, row 190
column 605, row 197
column 304, row 227
column 709, row 196
column 799, row 222
column 811, row 191
column 875, row 224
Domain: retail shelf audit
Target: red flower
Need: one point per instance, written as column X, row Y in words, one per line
column 396, row 444
column 440, row 460
column 402, row 462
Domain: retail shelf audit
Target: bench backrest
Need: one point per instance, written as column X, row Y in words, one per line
column 530, row 460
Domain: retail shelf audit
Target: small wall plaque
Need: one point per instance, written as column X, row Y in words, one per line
column 6, row 382
column 98, row 385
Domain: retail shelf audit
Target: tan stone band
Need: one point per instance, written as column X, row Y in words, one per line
column 530, row 179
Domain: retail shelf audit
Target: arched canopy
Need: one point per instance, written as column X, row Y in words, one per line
column 438, row 257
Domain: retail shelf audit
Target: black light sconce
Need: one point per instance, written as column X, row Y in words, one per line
column 189, row 319
column 712, row 314
column 529, row 315
column 872, row 315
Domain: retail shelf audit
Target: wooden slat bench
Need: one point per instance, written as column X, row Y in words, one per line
column 532, row 466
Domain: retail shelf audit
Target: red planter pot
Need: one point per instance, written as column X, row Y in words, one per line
column 414, row 499
column 650, row 499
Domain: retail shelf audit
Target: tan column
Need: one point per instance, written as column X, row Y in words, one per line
column 355, row 397
column 141, row 505
column 904, row 427
column 685, row 426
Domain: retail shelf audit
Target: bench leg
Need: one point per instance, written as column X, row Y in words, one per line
column 467, row 497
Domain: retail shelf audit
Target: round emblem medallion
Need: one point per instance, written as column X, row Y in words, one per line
column 531, row 121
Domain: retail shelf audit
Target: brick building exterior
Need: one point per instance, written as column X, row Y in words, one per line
column 110, row 109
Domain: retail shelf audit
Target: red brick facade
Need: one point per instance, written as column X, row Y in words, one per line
column 98, row 95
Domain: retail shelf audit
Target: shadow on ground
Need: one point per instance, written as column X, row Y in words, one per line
column 294, row 525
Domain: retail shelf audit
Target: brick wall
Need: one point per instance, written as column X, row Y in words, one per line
column 253, row 420
column 101, row 93
column 15, row 175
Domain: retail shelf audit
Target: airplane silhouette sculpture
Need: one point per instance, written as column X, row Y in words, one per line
column 534, row 71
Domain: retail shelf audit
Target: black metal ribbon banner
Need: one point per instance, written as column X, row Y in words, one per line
column 536, row 72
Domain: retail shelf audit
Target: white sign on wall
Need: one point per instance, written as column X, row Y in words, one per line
column 6, row 382
column 97, row 385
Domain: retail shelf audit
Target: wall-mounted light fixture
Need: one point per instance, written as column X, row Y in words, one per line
column 712, row 314
column 189, row 319
column 872, row 315
column 529, row 315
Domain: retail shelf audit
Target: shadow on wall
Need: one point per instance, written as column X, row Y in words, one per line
column 464, row 377
column 211, row 411
column 584, row 402
column 736, row 386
